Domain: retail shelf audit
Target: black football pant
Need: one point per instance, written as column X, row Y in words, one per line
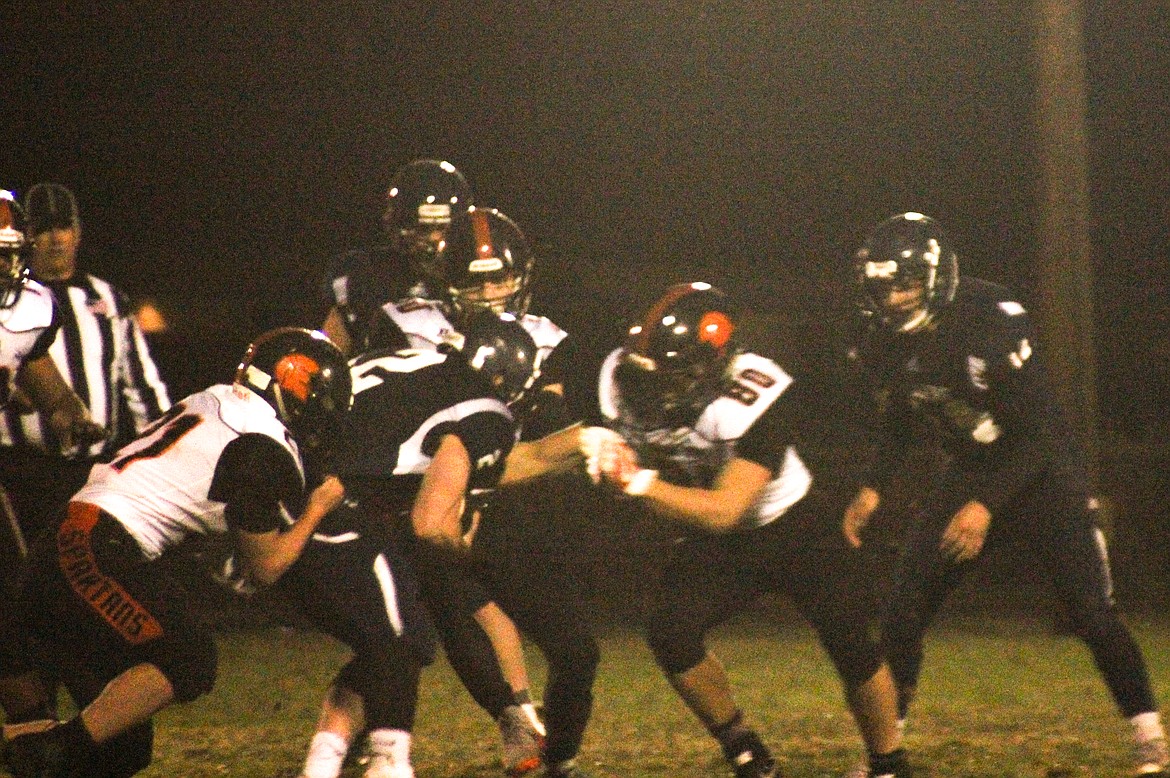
column 1052, row 517
column 543, row 595
column 364, row 592
column 453, row 594
column 712, row 577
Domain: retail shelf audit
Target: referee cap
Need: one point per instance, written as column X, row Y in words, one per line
column 50, row 206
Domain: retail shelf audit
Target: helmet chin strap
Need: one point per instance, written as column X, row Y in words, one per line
column 279, row 397
column 916, row 322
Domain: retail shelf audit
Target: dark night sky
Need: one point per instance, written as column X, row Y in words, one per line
column 221, row 152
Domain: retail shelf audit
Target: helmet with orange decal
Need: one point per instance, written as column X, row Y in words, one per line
column 13, row 267
column 303, row 376
column 675, row 360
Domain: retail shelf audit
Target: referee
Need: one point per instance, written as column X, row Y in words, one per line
column 101, row 352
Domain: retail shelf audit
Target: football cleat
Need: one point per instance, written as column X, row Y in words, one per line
column 1152, row 757
column 522, row 743
column 384, row 766
column 566, row 769
column 751, row 758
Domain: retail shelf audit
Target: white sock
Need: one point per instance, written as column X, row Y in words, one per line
column 393, row 746
column 327, row 752
column 1147, row 726
column 530, row 711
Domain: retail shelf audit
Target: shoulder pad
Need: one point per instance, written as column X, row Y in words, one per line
column 544, row 332
column 33, row 311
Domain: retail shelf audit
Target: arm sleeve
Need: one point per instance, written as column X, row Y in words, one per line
column 1022, row 408
column 254, row 476
column 488, row 438
column 142, row 386
column 766, row 442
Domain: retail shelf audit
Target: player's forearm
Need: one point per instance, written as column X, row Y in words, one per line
column 43, row 384
column 705, row 509
column 275, row 553
column 553, row 453
column 285, row 548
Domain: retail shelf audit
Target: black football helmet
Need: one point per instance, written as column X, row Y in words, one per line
column 905, row 253
column 422, row 198
column 484, row 247
column 13, row 261
column 497, row 346
column 303, row 376
column 675, row 361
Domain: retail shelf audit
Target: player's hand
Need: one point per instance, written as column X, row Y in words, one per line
column 20, row 402
column 591, row 443
column 619, row 468
column 964, row 537
column 75, row 430
column 328, row 495
column 858, row 513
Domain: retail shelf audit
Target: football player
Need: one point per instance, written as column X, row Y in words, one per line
column 30, row 381
column 28, row 325
column 708, row 439
column 421, row 199
column 397, row 295
column 488, row 263
column 960, row 359
column 99, row 606
column 431, row 430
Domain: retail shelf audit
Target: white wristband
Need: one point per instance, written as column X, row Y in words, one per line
column 640, row 482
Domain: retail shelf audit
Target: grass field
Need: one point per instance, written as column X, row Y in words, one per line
column 1000, row 697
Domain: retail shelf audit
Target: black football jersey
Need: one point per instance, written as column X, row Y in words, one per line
column 973, row 380
column 361, row 280
column 404, row 404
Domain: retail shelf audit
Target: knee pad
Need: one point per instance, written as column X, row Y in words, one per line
column 191, row 668
column 676, row 647
column 854, row 654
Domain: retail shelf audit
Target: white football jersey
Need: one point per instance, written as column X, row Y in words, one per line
column 157, row 486
column 21, row 325
column 702, row 450
column 426, row 326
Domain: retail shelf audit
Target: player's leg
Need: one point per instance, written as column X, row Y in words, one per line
column 825, row 580
column 707, row 580
column 365, row 594
column 922, row 578
column 457, row 602
column 1065, row 535
column 542, row 594
column 509, row 648
column 119, row 629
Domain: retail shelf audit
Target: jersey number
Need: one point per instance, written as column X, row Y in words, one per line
column 738, row 390
column 170, row 427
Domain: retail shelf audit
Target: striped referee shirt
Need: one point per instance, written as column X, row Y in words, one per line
column 102, row 353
